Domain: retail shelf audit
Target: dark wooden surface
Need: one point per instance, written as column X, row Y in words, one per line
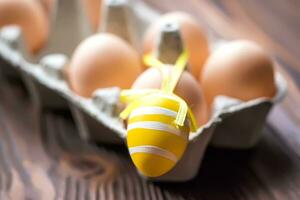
column 42, row 157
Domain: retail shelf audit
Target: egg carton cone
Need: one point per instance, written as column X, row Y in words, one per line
column 117, row 18
column 234, row 124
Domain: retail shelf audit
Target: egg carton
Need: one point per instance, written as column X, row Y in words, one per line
column 234, row 124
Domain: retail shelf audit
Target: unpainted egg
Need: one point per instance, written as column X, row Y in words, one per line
column 240, row 69
column 100, row 61
column 193, row 37
column 29, row 15
column 187, row 88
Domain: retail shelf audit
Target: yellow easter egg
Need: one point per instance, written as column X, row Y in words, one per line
column 154, row 141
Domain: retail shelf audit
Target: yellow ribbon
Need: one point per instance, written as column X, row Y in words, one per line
column 134, row 97
column 149, row 60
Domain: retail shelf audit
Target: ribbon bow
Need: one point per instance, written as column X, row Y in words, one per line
column 135, row 96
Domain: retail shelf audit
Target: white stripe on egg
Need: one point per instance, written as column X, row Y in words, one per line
column 153, row 150
column 159, row 126
column 153, row 110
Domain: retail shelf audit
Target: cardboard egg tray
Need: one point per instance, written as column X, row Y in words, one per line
column 234, row 124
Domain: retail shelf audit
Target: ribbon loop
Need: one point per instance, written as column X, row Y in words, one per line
column 169, row 81
column 179, row 67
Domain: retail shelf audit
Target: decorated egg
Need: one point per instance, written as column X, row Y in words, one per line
column 154, row 141
column 192, row 35
column 100, row 61
column 187, row 88
column 29, row 15
column 240, row 69
column 159, row 121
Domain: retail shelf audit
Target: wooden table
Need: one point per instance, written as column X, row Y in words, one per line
column 42, row 157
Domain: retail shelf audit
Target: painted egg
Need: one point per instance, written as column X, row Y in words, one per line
column 240, row 69
column 193, row 38
column 29, row 15
column 100, row 61
column 155, row 143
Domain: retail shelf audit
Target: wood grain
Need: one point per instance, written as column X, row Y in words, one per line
column 42, row 157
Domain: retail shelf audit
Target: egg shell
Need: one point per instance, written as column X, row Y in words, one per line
column 155, row 143
column 186, row 88
column 193, row 38
column 29, row 15
column 240, row 69
column 100, row 61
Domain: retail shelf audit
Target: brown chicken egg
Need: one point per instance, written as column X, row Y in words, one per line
column 187, row 88
column 29, row 15
column 192, row 35
column 240, row 69
column 102, row 60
